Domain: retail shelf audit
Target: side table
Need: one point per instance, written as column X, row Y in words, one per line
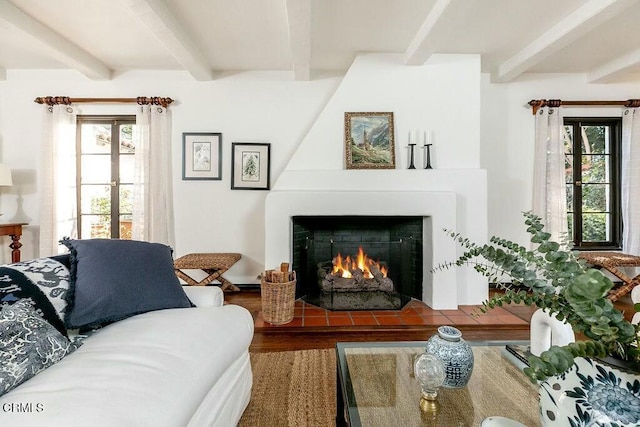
column 214, row 264
column 13, row 230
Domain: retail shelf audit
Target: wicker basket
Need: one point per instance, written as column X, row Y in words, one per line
column 278, row 300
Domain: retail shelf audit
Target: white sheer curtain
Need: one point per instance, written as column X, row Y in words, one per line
column 58, row 214
column 152, row 194
column 549, row 186
column 631, row 181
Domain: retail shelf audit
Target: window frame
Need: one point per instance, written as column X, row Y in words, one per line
column 115, row 121
column 614, row 208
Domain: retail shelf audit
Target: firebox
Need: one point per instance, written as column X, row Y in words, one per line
column 358, row 262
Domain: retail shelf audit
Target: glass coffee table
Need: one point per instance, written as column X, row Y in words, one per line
column 376, row 387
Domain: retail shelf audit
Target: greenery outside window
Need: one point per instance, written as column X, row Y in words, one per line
column 105, row 170
column 592, row 160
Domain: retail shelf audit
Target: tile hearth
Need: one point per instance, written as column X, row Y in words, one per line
column 415, row 313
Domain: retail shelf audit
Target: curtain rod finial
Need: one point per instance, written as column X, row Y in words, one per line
column 632, row 103
column 536, row 104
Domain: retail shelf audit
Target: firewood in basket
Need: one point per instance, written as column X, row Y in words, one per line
column 277, row 276
column 269, row 275
column 284, row 267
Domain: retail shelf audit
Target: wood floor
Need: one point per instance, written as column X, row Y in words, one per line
column 297, row 337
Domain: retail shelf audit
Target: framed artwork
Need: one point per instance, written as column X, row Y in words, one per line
column 201, row 156
column 250, row 166
column 368, row 139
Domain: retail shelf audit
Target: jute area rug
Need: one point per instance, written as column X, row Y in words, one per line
column 292, row 388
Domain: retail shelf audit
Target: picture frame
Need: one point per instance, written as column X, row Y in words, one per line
column 369, row 140
column 250, row 166
column 201, row 156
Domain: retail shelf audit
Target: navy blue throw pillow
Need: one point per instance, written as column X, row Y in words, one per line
column 115, row 279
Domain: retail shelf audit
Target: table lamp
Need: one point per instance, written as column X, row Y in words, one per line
column 5, row 176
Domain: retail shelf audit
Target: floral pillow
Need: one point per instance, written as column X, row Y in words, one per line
column 28, row 344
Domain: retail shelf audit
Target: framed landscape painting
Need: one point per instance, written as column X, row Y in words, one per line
column 368, row 141
column 201, row 156
column 250, row 166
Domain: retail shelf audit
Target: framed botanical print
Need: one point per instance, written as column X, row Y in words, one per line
column 250, row 166
column 201, row 156
column 368, row 139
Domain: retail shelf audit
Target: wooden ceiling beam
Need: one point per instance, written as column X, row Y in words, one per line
column 421, row 47
column 615, row 68
column 161, row 22
column 581, row 21
column 63, row 49
column 299, row 21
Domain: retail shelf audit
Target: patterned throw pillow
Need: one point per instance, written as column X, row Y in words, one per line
column 28, row 344
column 42, row 281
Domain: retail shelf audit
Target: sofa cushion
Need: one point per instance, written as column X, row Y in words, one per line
column 44, row 282
column 115, row 279
column 29, row 344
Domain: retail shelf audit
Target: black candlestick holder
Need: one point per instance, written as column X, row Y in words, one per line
column 411, row 148
column 428, row 148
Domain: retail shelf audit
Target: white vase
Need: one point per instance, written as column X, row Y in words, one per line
column 592, row 393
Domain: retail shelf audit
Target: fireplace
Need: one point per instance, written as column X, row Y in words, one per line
column 394, row 244
column 444, row 199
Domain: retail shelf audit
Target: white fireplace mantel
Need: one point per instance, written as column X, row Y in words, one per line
column 445, row 200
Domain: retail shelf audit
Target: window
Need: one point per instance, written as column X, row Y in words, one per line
column 592, row 158
column 105, row 165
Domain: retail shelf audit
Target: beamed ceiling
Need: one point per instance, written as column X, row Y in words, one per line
column 102, row 38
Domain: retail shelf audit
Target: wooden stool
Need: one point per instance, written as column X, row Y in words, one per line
column 610, row 261
column 214, row 264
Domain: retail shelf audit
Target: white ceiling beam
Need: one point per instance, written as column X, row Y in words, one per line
column 63, row 49
column 614, row 68
column 299, row 20
column 572, row 27
column 420, row 48
column 159, row 20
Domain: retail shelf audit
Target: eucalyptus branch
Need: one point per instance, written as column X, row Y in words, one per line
column 556, row 280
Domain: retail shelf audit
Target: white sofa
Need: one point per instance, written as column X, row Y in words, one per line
column 171, row 367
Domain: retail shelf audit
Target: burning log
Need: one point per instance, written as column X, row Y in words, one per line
column 334, row 282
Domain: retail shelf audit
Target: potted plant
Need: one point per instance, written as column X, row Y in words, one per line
column 556, row 280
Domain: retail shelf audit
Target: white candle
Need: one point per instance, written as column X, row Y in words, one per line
column 425, row 137
column 409, row 137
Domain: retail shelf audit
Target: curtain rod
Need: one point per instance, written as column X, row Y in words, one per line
column 536, row 104
column 141, row 100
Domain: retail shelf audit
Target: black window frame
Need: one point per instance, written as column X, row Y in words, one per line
column 115, row 121
column 614, row 208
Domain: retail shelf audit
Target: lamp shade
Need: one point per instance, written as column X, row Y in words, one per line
column 5, row 176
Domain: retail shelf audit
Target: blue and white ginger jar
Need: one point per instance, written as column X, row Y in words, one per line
column 455, row 353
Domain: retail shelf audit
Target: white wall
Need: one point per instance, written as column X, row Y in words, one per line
column 210, row 217
column 442, row 97
column 507, row 135
column 272, row 107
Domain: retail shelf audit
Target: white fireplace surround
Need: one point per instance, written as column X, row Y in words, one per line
column 390, row 193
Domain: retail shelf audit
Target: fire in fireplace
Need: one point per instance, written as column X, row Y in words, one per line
column 359, row 273
column 358, row 262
